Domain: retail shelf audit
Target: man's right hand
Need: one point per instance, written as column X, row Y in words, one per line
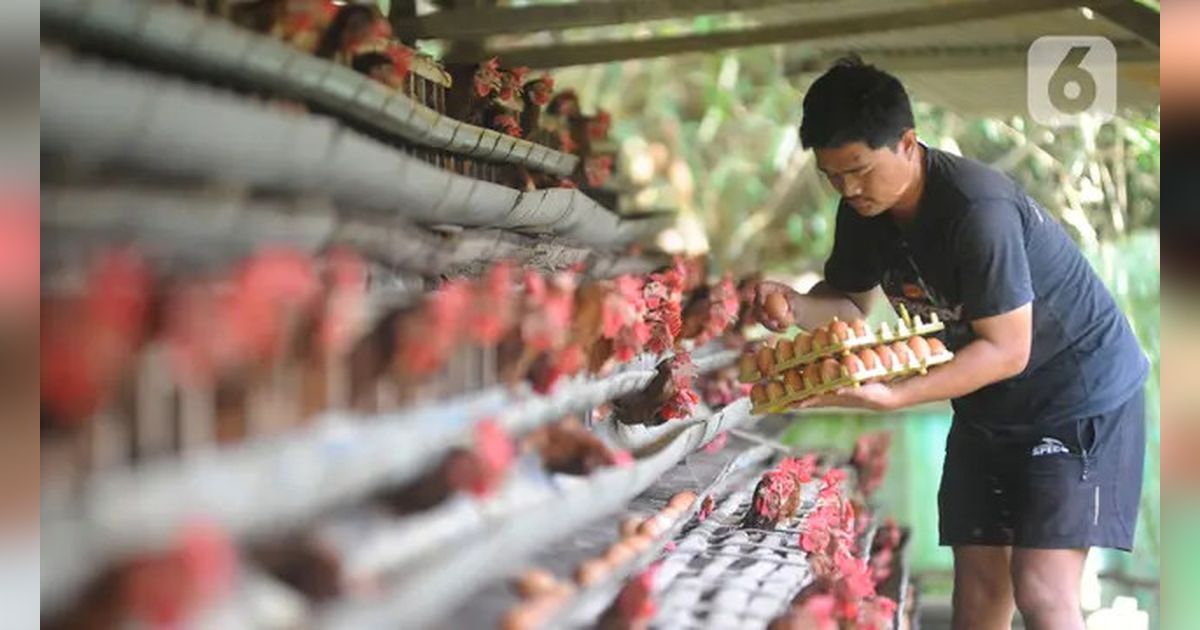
column 766, row 288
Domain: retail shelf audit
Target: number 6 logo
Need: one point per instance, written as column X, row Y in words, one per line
column 1069, row 76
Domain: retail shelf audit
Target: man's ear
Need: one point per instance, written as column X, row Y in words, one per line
column 908, row 142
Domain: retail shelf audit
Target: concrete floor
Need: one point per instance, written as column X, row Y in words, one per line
column 935, row 614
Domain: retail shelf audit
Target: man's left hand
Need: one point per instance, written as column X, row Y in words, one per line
column 871, row 396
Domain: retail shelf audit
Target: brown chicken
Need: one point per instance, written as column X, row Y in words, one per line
column 568, row 447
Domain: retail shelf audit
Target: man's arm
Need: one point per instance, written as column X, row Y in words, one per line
column 815, row 308
column 1001, row 351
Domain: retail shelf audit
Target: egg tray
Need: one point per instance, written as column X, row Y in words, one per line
column 851, row 380
column 905, row 331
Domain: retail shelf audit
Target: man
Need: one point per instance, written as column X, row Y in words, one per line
column 1044, row 457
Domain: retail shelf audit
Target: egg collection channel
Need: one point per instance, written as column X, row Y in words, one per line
column 785, row 371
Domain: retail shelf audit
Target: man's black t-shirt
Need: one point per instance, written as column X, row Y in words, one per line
column 980, row 246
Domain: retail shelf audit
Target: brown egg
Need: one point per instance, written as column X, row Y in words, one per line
column 888, row 358
column 535, row 582
column 936, row 347
column 777, row 308
column 561, row 592
column 802, row 344
column 870, row 359
column 904, row 352
column 520, row 617
column 629, row 525
column 920, row 348
column 652, row 526
column 640, row 543
column 683, row 500
column 776, row 391
column 820, row 338
column 748, row 366
column 766, row 360
column 812, row 374
column 758, row 395
column 853, row 364
column 794, row 381
column 839, row 331
column 831, row 370
column 619, row 554
column 784, row 351
column 860, row 328
column 591, row 571
column 668, row 515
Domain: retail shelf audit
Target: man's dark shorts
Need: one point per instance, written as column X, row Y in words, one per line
column 1075, row 485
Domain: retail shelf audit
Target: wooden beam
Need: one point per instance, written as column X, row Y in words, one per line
column 457, row 23
column 937, row 59
column 941, row 14
column 1135, row 17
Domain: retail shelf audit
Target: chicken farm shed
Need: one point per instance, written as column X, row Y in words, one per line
column 348, row 320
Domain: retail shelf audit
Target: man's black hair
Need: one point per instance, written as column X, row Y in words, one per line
column 855, row 102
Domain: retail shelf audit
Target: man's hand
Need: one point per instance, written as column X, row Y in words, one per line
column 766, row 288
column 871, row 396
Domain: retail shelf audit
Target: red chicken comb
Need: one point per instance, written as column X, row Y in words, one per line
column 717, row 443
column 820, row 610
column 401, row 57
column 621, row 458
column 493, row 453
column 636, row 600
column 118, row 293
column 346, row 302
column 20, row 251
column 491, row 308
column 209, row 557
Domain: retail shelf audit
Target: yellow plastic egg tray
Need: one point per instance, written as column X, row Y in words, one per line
column 906, row 327
column 847, row 379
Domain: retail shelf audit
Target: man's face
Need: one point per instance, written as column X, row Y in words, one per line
column 870, row 180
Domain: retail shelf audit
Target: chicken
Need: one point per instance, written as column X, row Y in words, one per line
column 668, row 396
column 492, row 307
column 710, row 312
column 567, row 447
column 777, row 495
column 478, row 468
column 268, row 312
column 386, row 61
column 302, row 22
column 634, row 607
column 166, row 588
column 870, row 460
column 88, row 342
column 426, row 337
column 721, row 387
column 663, row 293
column 746, row 288
column 340, row 322
column 535, row 95
column 884, row 546
column 546, row 311
column 472, row 89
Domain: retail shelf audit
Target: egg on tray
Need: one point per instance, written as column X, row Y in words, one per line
column 766, row 360
column 831, row 370
column 920, row 348
column 802, row 345
column 794, row 381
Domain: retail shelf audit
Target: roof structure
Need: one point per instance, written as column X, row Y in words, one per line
column 968, row 55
